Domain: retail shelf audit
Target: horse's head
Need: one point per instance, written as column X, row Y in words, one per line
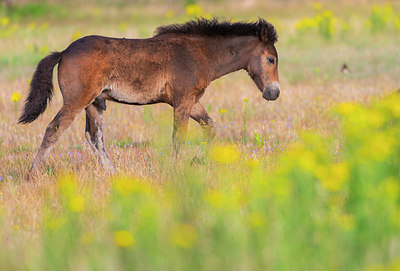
column 263, row 64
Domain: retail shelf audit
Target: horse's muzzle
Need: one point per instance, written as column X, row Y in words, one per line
column 271, row 91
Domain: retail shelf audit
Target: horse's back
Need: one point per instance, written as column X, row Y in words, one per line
column 136, row 71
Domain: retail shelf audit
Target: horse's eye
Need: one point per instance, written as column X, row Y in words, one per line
column 271, row 60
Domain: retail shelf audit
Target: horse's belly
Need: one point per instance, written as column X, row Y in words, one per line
column 137, row 93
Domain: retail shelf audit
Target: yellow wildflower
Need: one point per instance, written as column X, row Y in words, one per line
column 44, row 49
column 169, row 14
column 345, row 27
column 124, row 239
column 397, row 22
column 122, row 27
column 376, row 118
column 97, row 12
column 215, row 199
column 347, row 222
column 223, row 201
column 184, row 236
column 32, row 25
column 15, row 97
column 222, row 111
column 87, row 238
column 383, row 147
column 76, row 35
column 67, row 185
column 317, row 5
column 55, row 223
column 256, row 219
column 44, row 26
column 127, row 186
column 390, row 188
column 305, row 23
column 4, row 21
column 333, row 177
column 194, row 10
column 77, row 204
column 346, row 109
column 225, row 154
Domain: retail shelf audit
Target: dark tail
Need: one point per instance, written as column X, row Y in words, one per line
column 41, row 88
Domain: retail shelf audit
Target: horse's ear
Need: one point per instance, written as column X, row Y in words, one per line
column 264, row 33
column 267, row 32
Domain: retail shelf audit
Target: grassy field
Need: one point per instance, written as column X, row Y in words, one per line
column 309, row 182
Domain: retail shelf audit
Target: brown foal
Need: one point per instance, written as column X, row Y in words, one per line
column 175, row 66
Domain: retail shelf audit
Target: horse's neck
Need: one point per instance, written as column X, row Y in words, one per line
column 229, row 54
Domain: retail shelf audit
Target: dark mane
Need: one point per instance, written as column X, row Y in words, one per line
column 215, row 27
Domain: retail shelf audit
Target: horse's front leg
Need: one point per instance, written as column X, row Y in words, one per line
column 200, row 115
column 181, row 119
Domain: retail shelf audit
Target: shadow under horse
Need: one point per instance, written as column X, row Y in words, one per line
column 175, row 66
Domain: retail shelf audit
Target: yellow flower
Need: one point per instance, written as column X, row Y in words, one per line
column 393, row 104
column 67, row 185
column 32, row 25
column 169, row 14
column 347, row 222
column 87, row 238
column 327, row 14
column 345, row 27
column 225, row 154
column 122, row 27
column 76, row 35
column 317, row 5
column 127, row 186
column 194, row 10
column 222, row 111
column 375, row 118
column 307, row 160
column 333, row 177
column 16, row 227
column 397, row 22
column 346, row 109
column 246, row 100
column 55, row 223
column 15, row 97
column 215, row 199
column 44, row 49
column 203, row 143
column 77, row 204
column 223, row 200
column 256, row 219
column 96, row 12
column 4, row 21
column 44, row 26
column 390, row 188
column 384, row 147
column 306, row 23
column 184, row 236
column 124, row 239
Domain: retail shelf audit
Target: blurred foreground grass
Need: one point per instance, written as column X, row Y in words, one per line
column 324, row 207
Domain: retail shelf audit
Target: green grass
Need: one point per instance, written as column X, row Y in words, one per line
column 317, row 209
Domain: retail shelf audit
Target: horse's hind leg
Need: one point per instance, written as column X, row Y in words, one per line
column 94, row 133
column 54, row 130
column 200, row 115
